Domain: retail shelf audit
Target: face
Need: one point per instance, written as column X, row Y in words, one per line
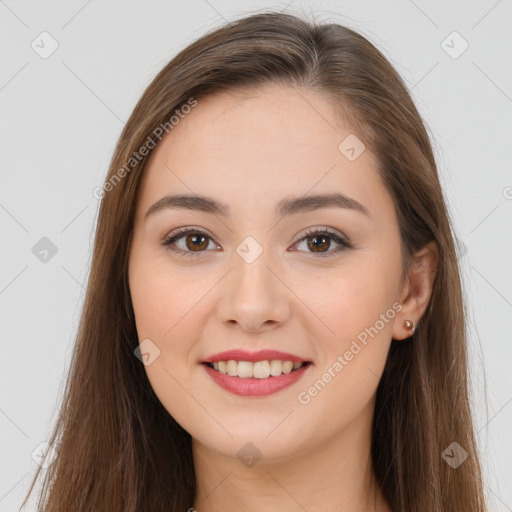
column 321, row 284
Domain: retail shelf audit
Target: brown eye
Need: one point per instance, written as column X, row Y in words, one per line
column 196, row 242
column 188, row 241
column 319, row 241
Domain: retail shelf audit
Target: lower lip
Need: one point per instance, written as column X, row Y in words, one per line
column 255, row 387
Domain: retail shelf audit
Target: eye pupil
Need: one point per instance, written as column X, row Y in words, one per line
column 315, row 246
column 194, row 245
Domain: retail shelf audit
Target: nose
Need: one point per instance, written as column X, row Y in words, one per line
column 254, row 296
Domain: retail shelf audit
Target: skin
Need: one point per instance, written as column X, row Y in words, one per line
column 250, row 150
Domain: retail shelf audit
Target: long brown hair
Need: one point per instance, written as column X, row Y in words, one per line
column 118, row 448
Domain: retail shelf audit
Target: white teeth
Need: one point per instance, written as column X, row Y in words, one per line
column 232, row 368
column 287, row 366
column 276, row 368
column 261, row 369
column 244, row 369
column 258, row 370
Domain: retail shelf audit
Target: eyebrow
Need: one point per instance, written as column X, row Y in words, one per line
column 288, row 206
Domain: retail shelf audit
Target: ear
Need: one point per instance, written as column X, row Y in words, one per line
column 417, row 289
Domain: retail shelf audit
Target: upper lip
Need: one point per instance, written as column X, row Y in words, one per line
column 261, row 355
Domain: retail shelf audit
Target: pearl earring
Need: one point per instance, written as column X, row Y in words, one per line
column 409, row 324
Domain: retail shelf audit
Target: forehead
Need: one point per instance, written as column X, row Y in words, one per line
column 251, row 147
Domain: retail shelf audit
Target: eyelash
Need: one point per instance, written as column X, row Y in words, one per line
column 311, row 233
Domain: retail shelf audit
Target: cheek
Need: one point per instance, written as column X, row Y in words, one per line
column 158, row 304
column 348, row 302
column 163, row 304
column 161, row 298
column 171, row 309
column 357, row 309
column 352, row 357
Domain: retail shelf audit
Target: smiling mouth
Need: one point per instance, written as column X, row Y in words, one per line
column 259, row 369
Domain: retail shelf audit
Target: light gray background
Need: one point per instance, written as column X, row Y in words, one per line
column 62, row 115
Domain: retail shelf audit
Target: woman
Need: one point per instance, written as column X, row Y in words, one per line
column 274, row 317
